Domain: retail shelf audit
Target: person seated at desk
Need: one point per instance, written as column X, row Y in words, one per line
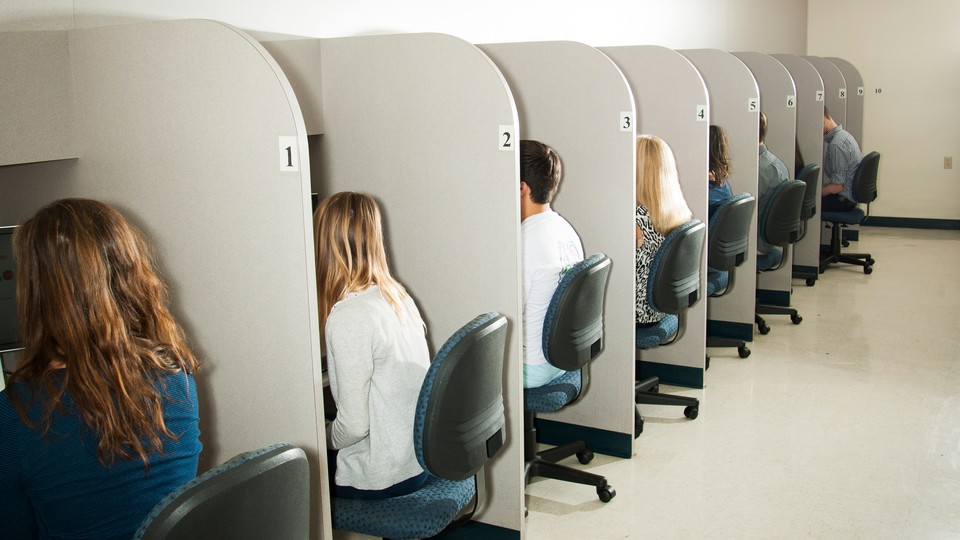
column 771, row 172
column 661, row 208
column 99, row 421
column 719, row 169
column 549, row 246
column 840, row 160
column 376, row 349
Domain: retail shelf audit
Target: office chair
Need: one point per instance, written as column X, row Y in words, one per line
column 458, row 427
column 572, row 338
column 672, row 287
column 780, row 225
column 728, row 243
column 865, row 192
column 260, row 494
column 809, row 175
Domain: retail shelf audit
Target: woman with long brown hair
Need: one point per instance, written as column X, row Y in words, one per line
column 99, row 421
column 719, row 169
column 377, row 354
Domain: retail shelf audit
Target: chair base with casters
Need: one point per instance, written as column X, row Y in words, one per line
column 647, row 391
column 548, row 398
column 772, row 261
column 835, row 255
column 718, row 282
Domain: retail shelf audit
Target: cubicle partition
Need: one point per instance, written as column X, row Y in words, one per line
column 810, row 95
column 671, row 102
column 192, row 132
column 426, row 124
column 855, row 97
column 735, row 107
column 778, row 100
column 572, row 97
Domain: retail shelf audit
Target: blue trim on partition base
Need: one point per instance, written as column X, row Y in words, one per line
column 601, row 441
column 732, row 330
column 770, row 297
column 474, row 530
column 913, row 223
column 803, row 272
column 691, row 377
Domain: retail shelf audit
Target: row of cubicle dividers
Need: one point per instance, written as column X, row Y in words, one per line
column 212, row 142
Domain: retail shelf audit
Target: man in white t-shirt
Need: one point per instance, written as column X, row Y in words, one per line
column 550, row 247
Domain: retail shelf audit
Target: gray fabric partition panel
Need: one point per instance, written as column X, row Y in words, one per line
column 810, row 94
column 856, row 94
column 778, row 100
column 572, row 97
column 735, row 107
column 185, row 126
column 671, row 102
column 427, row 125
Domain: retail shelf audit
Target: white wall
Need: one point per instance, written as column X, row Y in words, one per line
column 910, row 50
column 730, row 25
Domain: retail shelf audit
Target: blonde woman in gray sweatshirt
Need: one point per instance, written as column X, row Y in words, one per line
column 376, row 350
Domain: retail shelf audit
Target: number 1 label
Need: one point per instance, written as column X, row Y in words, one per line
column 289, row 154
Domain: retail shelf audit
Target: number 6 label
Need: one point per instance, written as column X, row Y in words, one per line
column 289, row 156
column 791, row 102
column 506, row 137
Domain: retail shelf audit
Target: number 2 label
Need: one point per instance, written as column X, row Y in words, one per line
column 506, row 137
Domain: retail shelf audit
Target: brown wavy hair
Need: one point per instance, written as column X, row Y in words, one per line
column 719, row 156
column 89, row 301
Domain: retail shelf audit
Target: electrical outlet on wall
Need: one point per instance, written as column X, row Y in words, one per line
column 948, row 162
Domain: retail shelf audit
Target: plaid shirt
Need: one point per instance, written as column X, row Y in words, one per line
column 840, row 160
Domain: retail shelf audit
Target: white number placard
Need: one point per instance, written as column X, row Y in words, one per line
column 702, row 113
column 506, row 137
column 843, row 93
column 860, row 91
column 289, row 154
column 626, row 121
column 791, row 102
column 819, row 95
column 753, row 104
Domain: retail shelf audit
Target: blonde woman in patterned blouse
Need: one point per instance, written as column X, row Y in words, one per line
column 661, row 208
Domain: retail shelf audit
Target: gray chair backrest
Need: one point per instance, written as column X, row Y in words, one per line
column 674, row 281
column 780, row 222
column 809, row 175
column 573, row 326
column 259, row 494
column 865, row 178
column 729, row 235
column 459, row 422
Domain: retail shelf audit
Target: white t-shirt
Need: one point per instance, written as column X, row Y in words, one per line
column 550, row 247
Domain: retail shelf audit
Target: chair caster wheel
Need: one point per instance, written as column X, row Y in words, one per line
column 764, row 330
column 606, row 493
column 870, row 261
column 691, row 412
column 845, row 243
column 707, row 362
column 868, row 270
column 585, row 457
column 743, row 352
column 796, row 318
column 811, row 281
column 637, row 425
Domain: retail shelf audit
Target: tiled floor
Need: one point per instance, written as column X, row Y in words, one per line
column 846, row 426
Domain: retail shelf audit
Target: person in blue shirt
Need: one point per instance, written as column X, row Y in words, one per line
column 771, row 172
column 99, row 421
column 840, row 160
column 719, row 169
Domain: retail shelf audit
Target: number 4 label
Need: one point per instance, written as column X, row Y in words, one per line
column 506, row 137
column 819, row 95
column 289, row 154
column 701, row 113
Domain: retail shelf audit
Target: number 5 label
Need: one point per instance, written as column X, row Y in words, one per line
column 506, row 137
column 753, row 104
column 289, row 155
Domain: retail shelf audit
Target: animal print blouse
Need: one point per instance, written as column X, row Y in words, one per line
column 651, row 243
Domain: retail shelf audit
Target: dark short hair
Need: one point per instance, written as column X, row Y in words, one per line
column 541, row 170
column 763, row 127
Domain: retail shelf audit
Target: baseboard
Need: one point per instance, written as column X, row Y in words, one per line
column 731, row 330
column 600, row 441
column 913, row 223
column 691, row 377
column 474, row 530
column 773, row 298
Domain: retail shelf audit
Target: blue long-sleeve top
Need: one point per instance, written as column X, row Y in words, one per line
column 55, row 486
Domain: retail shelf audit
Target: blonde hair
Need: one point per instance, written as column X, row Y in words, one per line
column 658, row 185
column 349, row 253
column 88, row 297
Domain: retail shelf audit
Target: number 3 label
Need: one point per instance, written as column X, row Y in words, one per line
column 506, row 137
column 626, row 121
column 289, row 156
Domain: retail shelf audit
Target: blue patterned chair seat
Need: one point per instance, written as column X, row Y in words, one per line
column 434, row 504
column 553, row 396
column 649, row 337
column 717, row 280
column 850, row 217
column 770, row 259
